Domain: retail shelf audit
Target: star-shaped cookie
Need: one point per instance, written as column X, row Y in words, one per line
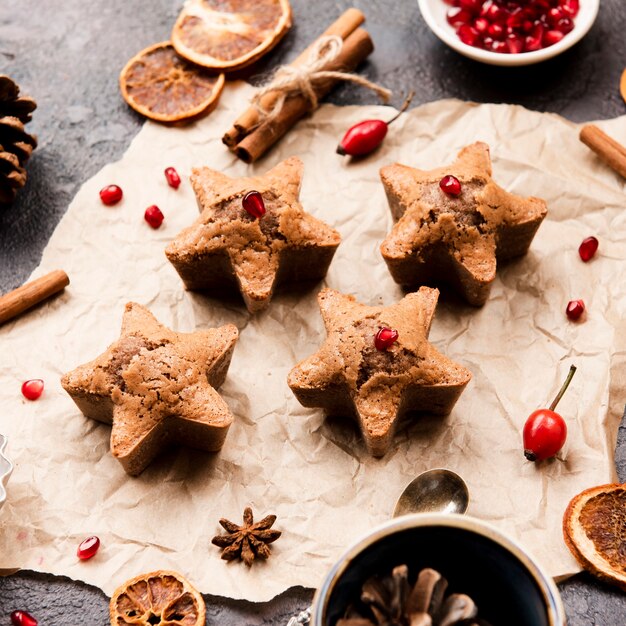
column 157, row 386
column 349, row 375
column 456, row 239
column 227, row 245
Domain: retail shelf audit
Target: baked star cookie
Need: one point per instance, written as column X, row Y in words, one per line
column 376, row 365
column 156, row 387
column 454, row 223
column 253, row 233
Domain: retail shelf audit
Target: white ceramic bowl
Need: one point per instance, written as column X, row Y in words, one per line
column 6, row 467
column 434, row 12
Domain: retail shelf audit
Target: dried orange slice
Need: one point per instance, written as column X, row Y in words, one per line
column 163, row 598
column 622, row 85
column 594, row 527
column 229, row 34
column 160, row 85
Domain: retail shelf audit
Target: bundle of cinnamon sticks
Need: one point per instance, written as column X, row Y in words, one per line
column 250, row 136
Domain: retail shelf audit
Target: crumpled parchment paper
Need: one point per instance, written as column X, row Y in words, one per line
column 279, row 457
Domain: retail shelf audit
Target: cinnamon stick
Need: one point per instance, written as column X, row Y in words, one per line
column 344, row 26
column 609, row 150
column 356, row 48
column 32, row 293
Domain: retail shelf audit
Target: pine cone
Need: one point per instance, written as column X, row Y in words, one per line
column 16, row 145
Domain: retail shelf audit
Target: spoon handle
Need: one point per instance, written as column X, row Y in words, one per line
column 303, row 619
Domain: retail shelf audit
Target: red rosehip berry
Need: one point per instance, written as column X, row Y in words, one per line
column 545, row 431
column 32, row 389
column 154, row 216
column 366, row 136
column 111, row 194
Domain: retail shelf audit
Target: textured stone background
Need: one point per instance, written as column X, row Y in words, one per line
column 68, row 55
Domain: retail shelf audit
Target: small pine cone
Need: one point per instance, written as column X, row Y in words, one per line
column 16, row 145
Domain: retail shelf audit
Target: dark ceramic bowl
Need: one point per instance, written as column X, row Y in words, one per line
column 508, row 587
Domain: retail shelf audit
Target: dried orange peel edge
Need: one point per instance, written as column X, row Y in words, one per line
column 591, row 528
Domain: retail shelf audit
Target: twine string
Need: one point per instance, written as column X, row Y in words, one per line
column 292, row 80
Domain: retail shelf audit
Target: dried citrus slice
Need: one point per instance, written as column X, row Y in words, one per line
column 229, row 34
column 622, row 85
column 160, row 85
column 163, row 598
column 594, row 527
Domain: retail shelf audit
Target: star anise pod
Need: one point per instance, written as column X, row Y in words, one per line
column 390, row 601
column 249, row 541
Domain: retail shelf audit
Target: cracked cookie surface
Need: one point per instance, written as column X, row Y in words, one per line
column 227, row 246
column 156, row 387
column 441, row 238
column 349, row 376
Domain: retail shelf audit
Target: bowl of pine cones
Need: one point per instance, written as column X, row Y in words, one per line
column 437, row 570
column 16, row 144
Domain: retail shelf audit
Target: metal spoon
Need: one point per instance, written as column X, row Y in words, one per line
column 434, row 491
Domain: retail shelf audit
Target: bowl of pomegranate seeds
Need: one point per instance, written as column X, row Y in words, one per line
column 510, row 32
column 6, row 467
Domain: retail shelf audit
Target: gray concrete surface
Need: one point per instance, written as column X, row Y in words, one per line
column 68, row 55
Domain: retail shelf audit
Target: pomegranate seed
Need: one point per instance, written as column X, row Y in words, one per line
column 496, row 31
column 154, row 216
column 451, row 185
column 565, row 25
column 575, row 308
column 515, row 43
column 253, row 203
column 533, row 41
column 481, row 25
column 468, row 35
column 385, row 338
column 551, row 37
column 515, row 20
column 32, row 389
column 512, row 26
column 554, row 15
column 88, row 548
column 491, row 11
column 22, row 618
column 172, row 177
column 500, row 47
column 531, row 44
column 471, row 5
column 458, row 16
column 570, row 7
column 111, row 194
column 588, row 248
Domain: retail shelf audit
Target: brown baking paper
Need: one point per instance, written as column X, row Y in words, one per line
column 279, row 457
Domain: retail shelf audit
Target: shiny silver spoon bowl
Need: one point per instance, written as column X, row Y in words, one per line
column 434, row 491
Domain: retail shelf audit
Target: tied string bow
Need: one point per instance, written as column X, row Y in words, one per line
column 292, row 80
